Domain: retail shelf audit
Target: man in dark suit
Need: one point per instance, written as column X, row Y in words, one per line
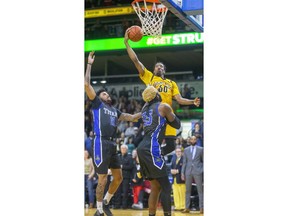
column 127, row 164
column 193, row 169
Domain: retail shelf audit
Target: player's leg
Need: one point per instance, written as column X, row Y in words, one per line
column 102, row 180
column 154, row 197
column 170, row 138
column 170, row 145
column 117, row 179
column 165, row 194
column 115, row 168
column 101, row 169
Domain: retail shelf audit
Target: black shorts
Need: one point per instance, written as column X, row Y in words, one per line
column 104, row 155
column 151, row 161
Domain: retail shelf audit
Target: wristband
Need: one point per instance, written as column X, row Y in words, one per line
column 89, row 63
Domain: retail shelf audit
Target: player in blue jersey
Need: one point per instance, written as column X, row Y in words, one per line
column 105, row 118
column 156, row 116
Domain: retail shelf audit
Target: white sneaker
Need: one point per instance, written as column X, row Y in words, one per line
column 138, row 206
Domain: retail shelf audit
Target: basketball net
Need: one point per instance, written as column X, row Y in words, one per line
column 151, row 14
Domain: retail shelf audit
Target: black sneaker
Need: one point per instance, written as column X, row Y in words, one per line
column 105, row 202
column 107, row 211
column 97, row 213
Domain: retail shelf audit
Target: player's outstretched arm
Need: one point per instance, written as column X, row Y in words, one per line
column 129, row 117
column 165, row 110
column 140, row 67
column 88, row 88
column 185, row 101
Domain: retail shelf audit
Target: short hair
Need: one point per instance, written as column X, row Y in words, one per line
column 100, row 91
column 125, row 146
column 149, row 93
column 178, row 148
column 162, row 64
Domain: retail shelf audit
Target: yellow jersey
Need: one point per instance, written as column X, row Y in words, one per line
column 166, row 88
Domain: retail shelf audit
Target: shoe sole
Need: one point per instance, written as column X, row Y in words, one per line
column 107, row 211
column 98, row 214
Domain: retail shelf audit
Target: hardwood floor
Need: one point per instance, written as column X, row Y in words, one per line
column 144, row 212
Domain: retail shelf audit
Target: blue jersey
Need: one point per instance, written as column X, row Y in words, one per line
column 105, row 118
column 154, row 124
column 149, row 150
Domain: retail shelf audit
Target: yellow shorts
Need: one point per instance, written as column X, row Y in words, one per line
column 170, row 131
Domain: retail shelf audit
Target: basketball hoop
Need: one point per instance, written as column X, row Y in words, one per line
column 151, row 14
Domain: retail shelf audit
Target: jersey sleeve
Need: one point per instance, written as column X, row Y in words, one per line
column 146, row 78
column 175, row 89
column 118, row 112
column 96, row 102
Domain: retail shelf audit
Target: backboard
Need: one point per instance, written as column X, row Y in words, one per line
column 189, row 11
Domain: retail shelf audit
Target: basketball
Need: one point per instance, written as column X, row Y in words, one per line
column 135, row 34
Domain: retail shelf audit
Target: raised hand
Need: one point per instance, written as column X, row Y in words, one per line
column 91, row 58
column 126, row 38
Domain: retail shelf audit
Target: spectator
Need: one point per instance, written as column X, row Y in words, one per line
column 198, row 134
column 177, row 142
column 131, row 107
column 126, row 162
column 89, row 173
column 123, row 139
column 183, row 142
column 134, row 154
column 130, row 130
column 89, row 142
column 139, row 136
column 137, row 184
column 193, row 169
column 178, row 186
column 118, row 142
column 122, row 126
column 87, row 124
column 130, row 145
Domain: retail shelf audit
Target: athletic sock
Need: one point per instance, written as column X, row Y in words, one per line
column 108, row 197
column 100, row 207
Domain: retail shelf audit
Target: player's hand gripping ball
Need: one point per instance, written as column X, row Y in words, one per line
column 135, row 33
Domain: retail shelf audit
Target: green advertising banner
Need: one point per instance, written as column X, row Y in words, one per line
column 145, row 42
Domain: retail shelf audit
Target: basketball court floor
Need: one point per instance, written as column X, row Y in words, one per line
column 144, row 212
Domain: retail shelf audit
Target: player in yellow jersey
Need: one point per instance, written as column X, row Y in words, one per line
column 167, row 88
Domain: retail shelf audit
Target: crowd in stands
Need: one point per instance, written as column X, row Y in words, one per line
column 134, row 190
